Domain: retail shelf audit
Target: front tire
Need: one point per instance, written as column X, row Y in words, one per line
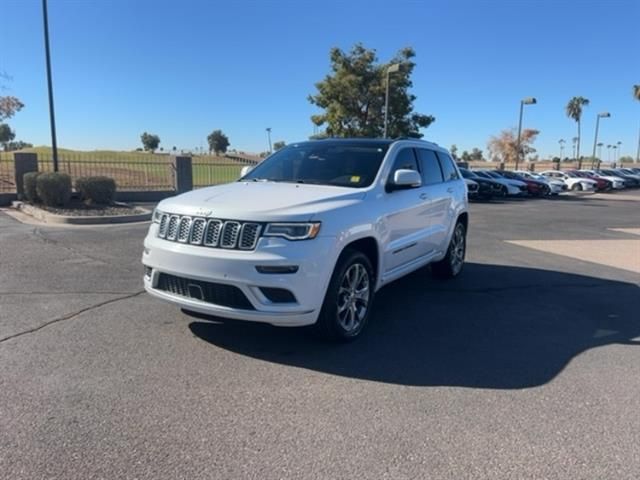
column 349, row 298
column 451, row 265
column 576, row 187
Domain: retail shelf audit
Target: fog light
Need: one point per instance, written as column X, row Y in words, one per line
column 277, row 269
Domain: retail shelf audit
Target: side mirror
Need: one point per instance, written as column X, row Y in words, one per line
column 246, row 169
column 403, row 179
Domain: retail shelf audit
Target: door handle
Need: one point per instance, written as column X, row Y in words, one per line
column 423, row 196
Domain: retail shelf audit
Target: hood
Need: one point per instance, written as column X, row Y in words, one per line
column 262, row 201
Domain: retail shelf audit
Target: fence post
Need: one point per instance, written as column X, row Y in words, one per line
column 183, row 173
column 23, row 163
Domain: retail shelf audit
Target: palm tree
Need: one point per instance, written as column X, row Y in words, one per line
column 574, row 110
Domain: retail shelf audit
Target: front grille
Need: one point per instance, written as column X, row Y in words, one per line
column 214, row 293
column 472, row 188
column 211, row 232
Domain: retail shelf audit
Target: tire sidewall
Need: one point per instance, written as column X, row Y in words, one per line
column 328, row 318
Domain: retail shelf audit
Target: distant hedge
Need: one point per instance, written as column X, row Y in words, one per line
column 54, row 189
column 96, row 190
column 30, row 191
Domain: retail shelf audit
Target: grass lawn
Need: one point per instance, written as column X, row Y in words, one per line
column 131, row 170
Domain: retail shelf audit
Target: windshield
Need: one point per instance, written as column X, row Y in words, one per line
column 323, row 162
column 494, row 175
column 467, row 173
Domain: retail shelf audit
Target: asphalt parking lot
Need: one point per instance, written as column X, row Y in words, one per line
column 527, row 366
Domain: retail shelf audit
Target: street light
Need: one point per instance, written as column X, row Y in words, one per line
column 609, row 153
column 393, row 68
column 52, row 118
column 523, row 102
column 600, row 144
column 595, row 138
column 269, row 137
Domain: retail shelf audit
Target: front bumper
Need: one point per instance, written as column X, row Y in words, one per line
column 314, row 259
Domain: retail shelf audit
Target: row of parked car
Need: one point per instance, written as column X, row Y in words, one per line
column 486, row 184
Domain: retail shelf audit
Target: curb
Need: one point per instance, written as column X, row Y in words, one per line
column 52, row 218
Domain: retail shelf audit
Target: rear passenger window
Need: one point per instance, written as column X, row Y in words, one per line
column 430, row 167
column 405, row 160
column 448, row 167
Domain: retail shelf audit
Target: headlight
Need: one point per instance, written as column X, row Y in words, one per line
column 156, row 216
column 293, row 231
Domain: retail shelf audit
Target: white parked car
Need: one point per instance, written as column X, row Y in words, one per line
column 511, row 187
column 310, row 234
column 555, row 186
column 617, row 183
column 573, row 183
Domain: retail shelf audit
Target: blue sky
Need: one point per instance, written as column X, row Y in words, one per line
column 183, row 68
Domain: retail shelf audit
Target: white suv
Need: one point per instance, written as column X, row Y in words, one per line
column 310, row 234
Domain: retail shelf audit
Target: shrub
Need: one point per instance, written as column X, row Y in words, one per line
column 54, row 189
column 29, row 182
column 101, row 190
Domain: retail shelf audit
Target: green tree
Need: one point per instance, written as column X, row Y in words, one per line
column 6, row 135
column 9, row 106
column 352, row 96
column 574, row 111
column 218, row 142
column 636, row 92
column 476, row 155
column 17, row 145
column 150, row 142
column 278, row 145
column 454, row 151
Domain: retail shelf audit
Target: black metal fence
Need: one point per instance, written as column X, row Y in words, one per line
column 7, row 173
column 135, row 171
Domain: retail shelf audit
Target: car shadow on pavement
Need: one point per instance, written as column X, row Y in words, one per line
column 495, row 326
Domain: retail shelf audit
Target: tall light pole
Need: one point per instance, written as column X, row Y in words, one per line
column 600, row 144
column 269, row 137
column 561, row 142
column 609, row 153
column 595, row 138
column 638, row 151
column 52, row 117
column 523, row 102
column 618, row 150
column 393, row 68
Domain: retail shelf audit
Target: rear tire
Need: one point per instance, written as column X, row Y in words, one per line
column 453, row 262
column 576, row 187
column 349, row 298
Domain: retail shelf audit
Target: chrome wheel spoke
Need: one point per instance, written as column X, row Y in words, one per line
column 353, row 297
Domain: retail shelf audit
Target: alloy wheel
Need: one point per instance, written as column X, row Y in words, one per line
column 353, row 297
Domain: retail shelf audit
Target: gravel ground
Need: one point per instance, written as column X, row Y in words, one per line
column 80, row 209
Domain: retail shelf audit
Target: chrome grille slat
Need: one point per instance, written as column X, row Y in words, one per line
column 249, row 236
column 197, row 231
column 172, row 228
column 162, row 229
column 184, row 229
column 213, row 232
column 230, row 233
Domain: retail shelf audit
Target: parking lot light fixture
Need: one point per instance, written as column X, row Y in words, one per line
column 595, row 138
column 393, row 68
column 268, row 129
column 523, row 102
column 618, row 150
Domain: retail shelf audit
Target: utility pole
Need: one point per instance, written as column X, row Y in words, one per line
column 52, row 117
